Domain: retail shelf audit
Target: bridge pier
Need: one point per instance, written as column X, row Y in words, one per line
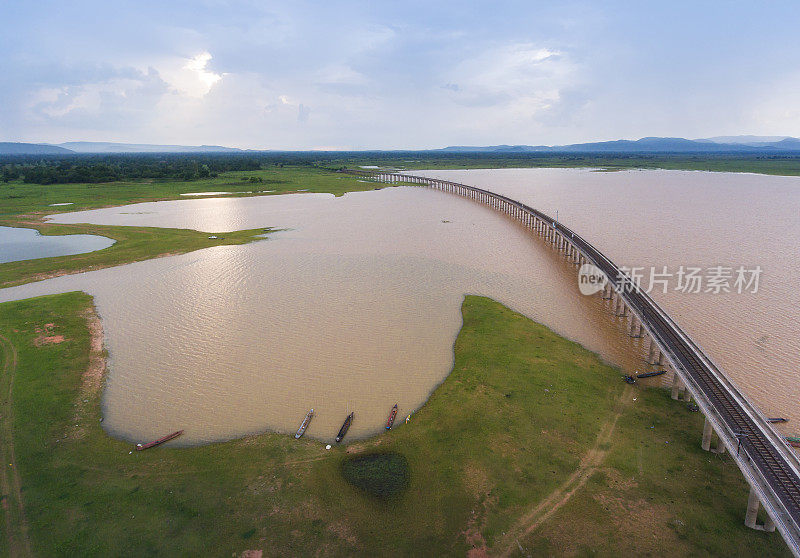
column 751, row 518
column 677, row 387
column 708, row 436
column 622, row 307
column 636, row 327
column 650, row 352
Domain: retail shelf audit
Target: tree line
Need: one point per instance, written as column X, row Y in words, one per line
column 111, row 168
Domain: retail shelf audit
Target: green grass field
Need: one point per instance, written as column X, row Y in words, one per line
column 17, row 198
column 531, row 445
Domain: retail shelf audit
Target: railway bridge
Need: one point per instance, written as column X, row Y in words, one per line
column 770, row 467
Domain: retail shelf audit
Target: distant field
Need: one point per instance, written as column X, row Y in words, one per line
column 531, row 446
column 777, row 165
column 17, row 198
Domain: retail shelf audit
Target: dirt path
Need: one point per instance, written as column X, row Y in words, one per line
column 18, row 542
column 590, row 463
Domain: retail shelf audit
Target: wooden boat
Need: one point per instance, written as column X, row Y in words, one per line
column 154, row 443
column 794, row 443
column 345, row 427
column 651, row 374
column 304, row 425
column 777, row 419
column 794, row 438
column 392, row 415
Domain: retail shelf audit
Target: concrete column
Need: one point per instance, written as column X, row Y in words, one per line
column 753, row 504
column 751, row 517
column 635, row 325
column 707, row 432
column 677, row 386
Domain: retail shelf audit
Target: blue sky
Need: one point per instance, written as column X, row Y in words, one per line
column 358, row 75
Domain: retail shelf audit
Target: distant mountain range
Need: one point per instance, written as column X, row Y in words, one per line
column 8, row 148
column 720, row 144
column 728, row 144
column 106, row 147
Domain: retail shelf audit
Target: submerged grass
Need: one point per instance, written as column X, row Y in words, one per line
column 511, row 424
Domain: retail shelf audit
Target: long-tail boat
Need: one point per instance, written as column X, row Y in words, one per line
column 154, row 443
column 777, row 419
column 651, row 374
column 392, row 415
column 345, row 427
column 304, row 425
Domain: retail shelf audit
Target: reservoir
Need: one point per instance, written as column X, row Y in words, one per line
column 27, row 244
column 356, row 305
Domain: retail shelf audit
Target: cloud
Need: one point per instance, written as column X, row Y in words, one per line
column 123, row 95
column 190, row 77
column 520, row 76
column 402, row 75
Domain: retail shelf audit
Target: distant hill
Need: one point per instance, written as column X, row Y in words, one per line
column 15, row 148
column 645, row 145
column 747, row 140
column 109, row 147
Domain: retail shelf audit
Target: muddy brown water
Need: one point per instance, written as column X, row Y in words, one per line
column 357, row 305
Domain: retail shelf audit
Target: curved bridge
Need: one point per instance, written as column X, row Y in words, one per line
column 770, row 467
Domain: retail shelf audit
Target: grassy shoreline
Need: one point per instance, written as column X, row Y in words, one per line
column 27, row 205
column 132, row 244
column 521, row 413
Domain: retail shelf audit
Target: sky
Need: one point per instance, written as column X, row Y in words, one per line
column 341, row 74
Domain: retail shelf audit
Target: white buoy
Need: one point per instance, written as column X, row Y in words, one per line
column 328, row 446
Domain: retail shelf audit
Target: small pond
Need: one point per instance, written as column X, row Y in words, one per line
column 27, row 244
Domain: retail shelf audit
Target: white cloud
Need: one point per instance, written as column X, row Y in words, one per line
column 122, row 94
column 520, row 77
column 190, row 77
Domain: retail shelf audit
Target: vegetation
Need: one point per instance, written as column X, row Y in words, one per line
column 531, row 445
column 382, row 474
column 182, row 167
column 62, row 169
column 20, row 199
